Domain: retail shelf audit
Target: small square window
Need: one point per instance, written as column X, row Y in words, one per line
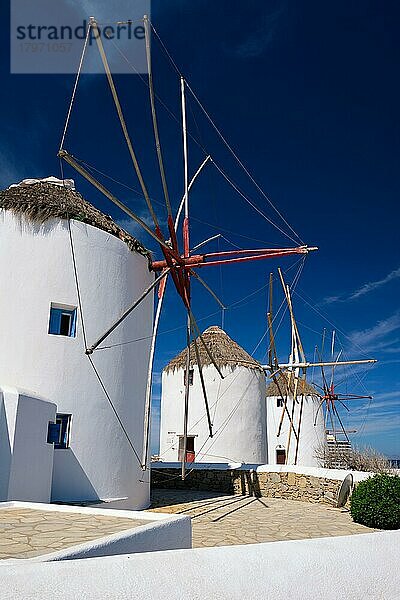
column 280, row 456
column 53, row 433
column 279, row 402
column 191, row 373
column 64, row 423
column 62, row 320
column 190, row 453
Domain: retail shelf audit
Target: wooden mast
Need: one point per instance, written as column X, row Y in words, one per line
column 274, row 363
column 186, row 251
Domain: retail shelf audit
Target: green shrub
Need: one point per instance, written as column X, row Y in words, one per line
column 376, row 502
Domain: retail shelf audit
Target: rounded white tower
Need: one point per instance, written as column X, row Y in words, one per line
column 68, row 272
column 237, row 405
column 283, row 448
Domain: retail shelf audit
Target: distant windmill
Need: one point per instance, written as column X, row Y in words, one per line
column 290, row 380
column 330, row 399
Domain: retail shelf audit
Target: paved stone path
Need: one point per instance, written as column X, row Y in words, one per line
column 229, row 520
column 25, row 533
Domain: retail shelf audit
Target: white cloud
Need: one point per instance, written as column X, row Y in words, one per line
column 386, row 400
column 374, row 337
column 366, row 288
column 391, row 349
column 139, row 233
column 373, row 285
column 266, row 30
column 389, row 362
column 112, row 10
column 387, row 395
column 332, row 299
column 134, row 228
column 376, row 424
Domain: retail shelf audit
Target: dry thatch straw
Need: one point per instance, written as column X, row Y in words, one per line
column 224, row 350
column 41, row 201
column 283, row 386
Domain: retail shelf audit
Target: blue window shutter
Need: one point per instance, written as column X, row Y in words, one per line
column 55, row 319
column 64, row 423
column 73, row 324
column 53, row 433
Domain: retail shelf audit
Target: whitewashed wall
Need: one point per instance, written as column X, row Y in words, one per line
column 26, row 459
column 310, row 436
column 357, row 567
column 36, row 268
column 237, row 407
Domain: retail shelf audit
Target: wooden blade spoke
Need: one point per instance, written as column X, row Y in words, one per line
column 187, row 391
column 335, row 365
column 147, row 410
column 125, row 314
column 122, row 120
column 353, row 397
column 318, row 386
column 341, row 424
column 326, row 386
column 331, row 414
column 272, row 346
column 326, row 415
column 89, row 177
column 154, row 116
column 299, row 429
column 182, row 203
column 203, row 387
column 292, row 428
column 207, row 287
column 207, row 241
column 196, row 327
column 172, row 233
column 318, row 409
column 323, row 341
column 343, row 404
column 285, row 408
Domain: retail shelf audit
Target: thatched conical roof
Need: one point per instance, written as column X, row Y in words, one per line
column 224, row 350
column 41, row 200
column 283, row 388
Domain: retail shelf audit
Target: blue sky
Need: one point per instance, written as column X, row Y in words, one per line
column 307, row 93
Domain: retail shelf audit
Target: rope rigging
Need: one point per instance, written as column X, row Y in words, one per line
column 313, row 305
column 95, row 370
column 90, row 167
column 238, row 304
column 153, row 96
column 241, row 164
column 75, row 87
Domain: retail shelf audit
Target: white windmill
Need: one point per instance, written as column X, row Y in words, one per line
column 180, row 264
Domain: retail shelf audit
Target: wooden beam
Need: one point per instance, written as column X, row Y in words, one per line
column 306, row 365
column 89, row 177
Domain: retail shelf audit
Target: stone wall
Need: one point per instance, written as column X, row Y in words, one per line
column 289, row 485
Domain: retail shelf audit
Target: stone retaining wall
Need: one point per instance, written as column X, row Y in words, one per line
column 292, row 486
